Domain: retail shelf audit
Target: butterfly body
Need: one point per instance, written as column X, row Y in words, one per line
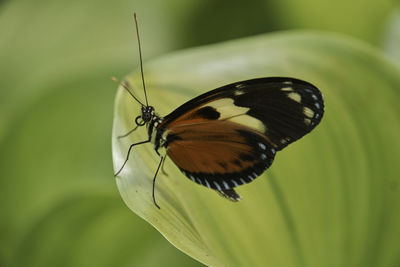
column 229, row 136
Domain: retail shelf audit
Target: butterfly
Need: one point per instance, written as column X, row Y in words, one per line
column 229, row 136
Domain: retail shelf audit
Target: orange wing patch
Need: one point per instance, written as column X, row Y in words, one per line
column 211, row 157
column 219, row 153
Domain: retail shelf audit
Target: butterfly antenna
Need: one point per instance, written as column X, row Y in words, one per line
column 126, row 88
column 140, row 56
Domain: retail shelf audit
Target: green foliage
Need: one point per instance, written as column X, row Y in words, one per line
column 330, row 199
column 391, row 40
column 58, row 200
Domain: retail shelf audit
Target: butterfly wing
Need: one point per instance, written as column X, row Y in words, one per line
column 229, row 136
column 220, row 155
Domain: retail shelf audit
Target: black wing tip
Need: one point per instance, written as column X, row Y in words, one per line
column 229, row 194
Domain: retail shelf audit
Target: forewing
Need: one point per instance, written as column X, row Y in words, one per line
column 282, row 109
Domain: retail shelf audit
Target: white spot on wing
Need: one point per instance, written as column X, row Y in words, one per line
column 208, row 185
column 317, row 105
column 226, row 185
column 249, row 121
column 287, row 89
column 287, row 82
column 285, row 140
column 217, row 185
column 234, row 183
column 192, row 178
column 243, row 181
column 199, row 181
column 250, row 177
column 239, row 92
column 223, row 103
column 307, row 121
column 263, row 156
column 230, row 112
column 295, row 96
column 262, row 146
column 308, row 112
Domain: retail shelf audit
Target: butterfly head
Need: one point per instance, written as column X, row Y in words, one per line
column 147, row 113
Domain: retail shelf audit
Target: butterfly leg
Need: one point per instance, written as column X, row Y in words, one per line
column 162, row 167
column 128, row 133
column 154, row 179
column 127, row 155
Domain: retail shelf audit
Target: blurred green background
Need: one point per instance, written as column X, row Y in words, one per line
column 58, row 199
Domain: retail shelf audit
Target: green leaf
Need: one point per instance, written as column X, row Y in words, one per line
column 330, row 199
column 391, row 42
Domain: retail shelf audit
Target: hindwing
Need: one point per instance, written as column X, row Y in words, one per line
column 220, row 155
